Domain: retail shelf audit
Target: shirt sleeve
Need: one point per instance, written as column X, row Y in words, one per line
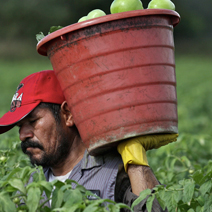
column 123, row 193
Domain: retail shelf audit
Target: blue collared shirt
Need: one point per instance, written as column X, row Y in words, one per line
column 96, row 173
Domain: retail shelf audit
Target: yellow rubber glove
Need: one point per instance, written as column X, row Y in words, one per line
column 155, row 141
column 133, row 150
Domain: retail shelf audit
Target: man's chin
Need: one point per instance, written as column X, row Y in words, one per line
column 36, row 160
column 45, row 162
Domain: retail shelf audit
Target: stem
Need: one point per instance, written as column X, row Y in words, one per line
column 41, row 205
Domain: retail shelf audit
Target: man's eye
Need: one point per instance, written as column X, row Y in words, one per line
column 32, row 121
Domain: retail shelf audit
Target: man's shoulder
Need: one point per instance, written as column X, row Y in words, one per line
column 109, row 157
column 112, row 155
column 90, row 161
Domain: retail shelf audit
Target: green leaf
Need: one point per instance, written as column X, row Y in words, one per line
column 33, row 198
column 206, row 187
column 173, row 163
column 191, row 210
column 177, row 192
column 170, row 176
column 199, row 209
column 38, row 174
column 68, row 181
column 6, row 203
column 90, row 194
column 160, row 197
column 92, row 207
column 32, row 184
column 11, row 174
column 188, row 191
column 73, row 208
column 18, row 184
column 170, row 201
column 150, row 202
column 186, row 161
column 117, row 207
column 57, row 183
column 22, row 207
column 54, row 28
column 45, row 209
column 39, row 36
column 71, row 197
column 47, row 187
column 63, row 210
column 141, row 197
column 201, row 200
column 66, row 187
column 122, row 205
column 113, row 208
column 96, row 204
column 198, row 176
column 25, row 172
column 81, row 188
column 208, row 204
column 57, row 198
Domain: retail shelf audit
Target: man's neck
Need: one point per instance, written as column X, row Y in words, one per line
column 75, row 156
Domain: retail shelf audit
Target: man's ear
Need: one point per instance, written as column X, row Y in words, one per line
column 66, row 113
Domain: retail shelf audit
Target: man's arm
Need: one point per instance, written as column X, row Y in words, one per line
column 138, row 175
column 141, row 178
column 129, row 186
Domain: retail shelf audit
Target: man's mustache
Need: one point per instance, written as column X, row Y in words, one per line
column 29, row 143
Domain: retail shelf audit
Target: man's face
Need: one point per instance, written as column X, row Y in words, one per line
column 46, row 142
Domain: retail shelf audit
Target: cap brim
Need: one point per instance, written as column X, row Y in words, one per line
column 9, row 119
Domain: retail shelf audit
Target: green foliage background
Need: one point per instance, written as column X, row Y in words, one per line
column 184, row 166
column 21, row 20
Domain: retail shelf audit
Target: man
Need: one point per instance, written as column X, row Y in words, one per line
column 50, row 138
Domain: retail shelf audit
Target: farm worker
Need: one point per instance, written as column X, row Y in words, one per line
column 50, row 139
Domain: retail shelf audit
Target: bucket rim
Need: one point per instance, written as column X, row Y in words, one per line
column 41, row 45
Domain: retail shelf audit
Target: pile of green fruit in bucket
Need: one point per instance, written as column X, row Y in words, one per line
column 118, row 6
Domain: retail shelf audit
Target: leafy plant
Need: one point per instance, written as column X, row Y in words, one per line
column 192, row 193
column 188, row 183
column 17, row 195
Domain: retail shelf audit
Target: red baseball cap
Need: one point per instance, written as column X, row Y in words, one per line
column 38, row 87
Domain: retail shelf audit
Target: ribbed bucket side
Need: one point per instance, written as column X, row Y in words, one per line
column 119, row 79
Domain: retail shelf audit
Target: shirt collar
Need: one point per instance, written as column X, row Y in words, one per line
column 87, row 162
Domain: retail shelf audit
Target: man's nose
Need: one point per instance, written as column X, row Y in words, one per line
column 25, row 132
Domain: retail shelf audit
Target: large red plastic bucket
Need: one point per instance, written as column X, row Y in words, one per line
column 117, row 73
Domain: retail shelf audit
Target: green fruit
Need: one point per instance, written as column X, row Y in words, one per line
column 95, row 14
column 3, row 159
column 161, row 4
column 16, row 200
column 84, row 18
column 119, row 6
